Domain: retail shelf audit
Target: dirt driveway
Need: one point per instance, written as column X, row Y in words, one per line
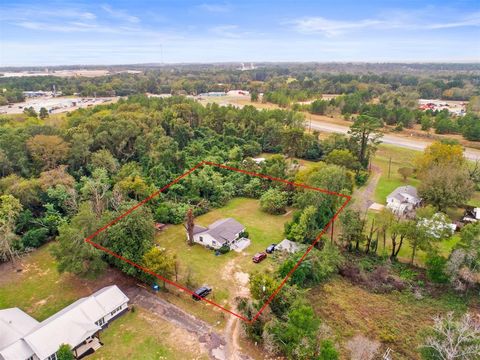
column 214, row 343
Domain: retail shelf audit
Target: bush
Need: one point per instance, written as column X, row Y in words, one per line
column 224, row 249
column 35, row 238
column 243, row 234
column 361, row 177
column 328, row 351
column 274, row 202
column 436, row 268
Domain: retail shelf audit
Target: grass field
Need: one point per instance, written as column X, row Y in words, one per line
column 396, row 319
column 206, row 268
column 139, row 335
column 400, row 157
column 41, row 291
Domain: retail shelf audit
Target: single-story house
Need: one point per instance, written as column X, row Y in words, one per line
column 78, row 325
column 221, row 232
column 288, row 246
column 403, row 200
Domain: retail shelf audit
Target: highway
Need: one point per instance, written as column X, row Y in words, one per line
column 414, row 143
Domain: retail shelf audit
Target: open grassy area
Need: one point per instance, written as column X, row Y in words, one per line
column 139, row 335
column 41, row 291
column 395, row 319
column 203, row 267
column 400, row 157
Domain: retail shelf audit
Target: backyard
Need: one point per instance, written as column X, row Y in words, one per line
column 199, row 265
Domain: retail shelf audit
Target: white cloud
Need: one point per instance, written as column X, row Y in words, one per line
column 330, row 27
column 120, row 14
column 215, row 8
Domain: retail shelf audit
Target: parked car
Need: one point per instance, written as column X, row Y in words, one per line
column 271, row 248
column 259, row 257
column 201, row 293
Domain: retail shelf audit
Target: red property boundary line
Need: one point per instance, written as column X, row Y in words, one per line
column 200, row 164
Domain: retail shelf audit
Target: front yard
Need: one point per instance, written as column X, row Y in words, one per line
column 199, row 265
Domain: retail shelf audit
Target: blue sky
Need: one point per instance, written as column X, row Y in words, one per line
column 122, row 32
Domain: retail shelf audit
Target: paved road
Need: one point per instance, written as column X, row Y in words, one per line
column 415, row 144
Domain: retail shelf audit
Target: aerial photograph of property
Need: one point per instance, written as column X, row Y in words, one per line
column 240, row 180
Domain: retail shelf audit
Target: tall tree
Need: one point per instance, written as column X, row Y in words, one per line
column 72, row 253
column 446, row 185
column 365, row 134
column 10, row 208
column 48, row 150
column 189, row 226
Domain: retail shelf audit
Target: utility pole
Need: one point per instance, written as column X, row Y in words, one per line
column 389, row 166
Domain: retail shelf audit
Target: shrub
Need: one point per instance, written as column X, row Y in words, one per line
column 436, row 268
column 328, row 351
column 361, row 177
column 243, row 234
column 224, row 249
column 35, row 237
column 274, row 201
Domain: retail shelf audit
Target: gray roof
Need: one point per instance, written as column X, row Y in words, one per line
column 198, row 229
column 402, row 192
column 224, row 230
column 72, row 325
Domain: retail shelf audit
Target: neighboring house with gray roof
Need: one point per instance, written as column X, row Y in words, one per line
column 24, row 338
column 403, row 200
column 221, row 232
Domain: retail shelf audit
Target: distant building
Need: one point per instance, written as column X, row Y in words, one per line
column 259, row 160
column 403, row 200
column 214, row 93
column 238, row 93
column 471, row 215
column 220, row 233
column 78, row 325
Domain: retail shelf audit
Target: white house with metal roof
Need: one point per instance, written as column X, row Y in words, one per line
column 403, row 200
column 221, row 232
column 78, row 325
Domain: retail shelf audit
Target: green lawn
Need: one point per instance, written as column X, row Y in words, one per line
column 400, row 157
column 139, row 335
column 39, row 289
column 204, row 267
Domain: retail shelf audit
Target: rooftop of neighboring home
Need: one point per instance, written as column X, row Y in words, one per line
column 23, row 336
column 223, row 230
column 405, row 193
